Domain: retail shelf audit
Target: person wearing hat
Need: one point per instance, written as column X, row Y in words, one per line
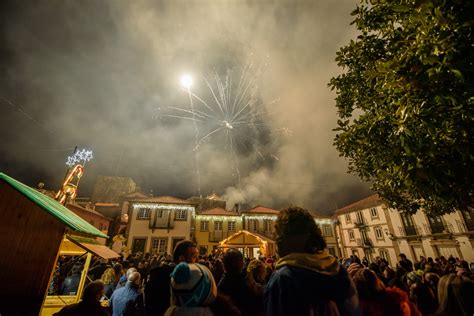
column 194, row 292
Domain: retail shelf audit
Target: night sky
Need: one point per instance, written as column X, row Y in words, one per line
column 104, row 75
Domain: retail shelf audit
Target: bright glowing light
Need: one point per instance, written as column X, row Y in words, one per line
column 186, row 81
column 79, row 157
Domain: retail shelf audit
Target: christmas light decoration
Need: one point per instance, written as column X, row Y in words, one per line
column 262, row 217
column 79, row 157
column 162, row 206
column 68, row 190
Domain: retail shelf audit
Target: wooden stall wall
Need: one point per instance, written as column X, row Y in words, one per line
column 29, row 241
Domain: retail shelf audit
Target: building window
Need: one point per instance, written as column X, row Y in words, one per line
column 181, row 215
column 378, row 232
column 158, row 245
column 384, row 255
column 204, row 226
column 359, row 218
column 373, row 212
column 351, row 235
column 348, row 218
column 218, row 225
column 326, row 230
column 267, row 224
column 253, row 225
column 332, row 251
column 231, row 226
column 143, row 213
column 159, row 213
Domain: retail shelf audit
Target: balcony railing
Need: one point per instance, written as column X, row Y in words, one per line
column 365, row 243
column 218, row 235
column 360, row 223
column 410, row 231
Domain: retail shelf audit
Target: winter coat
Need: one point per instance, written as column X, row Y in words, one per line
column 394, row 302
column 236, row 287
column 127, row 301
column 189, row 311
column 310, row 284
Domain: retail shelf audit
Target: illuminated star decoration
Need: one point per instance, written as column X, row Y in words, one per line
column 79, row 157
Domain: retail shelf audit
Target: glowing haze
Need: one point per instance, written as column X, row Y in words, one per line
column 104, row 74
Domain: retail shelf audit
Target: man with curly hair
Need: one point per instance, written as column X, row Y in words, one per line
column 307, row 280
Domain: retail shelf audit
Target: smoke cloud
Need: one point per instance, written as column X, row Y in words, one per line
column 103, row 75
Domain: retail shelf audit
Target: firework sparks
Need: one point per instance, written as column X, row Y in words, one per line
column 234, row 109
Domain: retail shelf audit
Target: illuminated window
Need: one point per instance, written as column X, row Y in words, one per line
column 159, row 213
column 181, row 215
column 348, row 218
column 204, row 226
column 231, row 226
column 143, row 213
column 326, row 230
column 158, row 245
column 218, row 225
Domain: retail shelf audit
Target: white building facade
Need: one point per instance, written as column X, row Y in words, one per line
column 156, row 224
column 368, row 228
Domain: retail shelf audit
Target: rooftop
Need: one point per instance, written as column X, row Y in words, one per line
column 218, row 211
column 259, row 209
column 163, row 200
column 370, row 201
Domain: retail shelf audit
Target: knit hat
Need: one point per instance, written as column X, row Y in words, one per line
column 192, row 285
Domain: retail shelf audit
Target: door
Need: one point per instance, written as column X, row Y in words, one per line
column 138, row 245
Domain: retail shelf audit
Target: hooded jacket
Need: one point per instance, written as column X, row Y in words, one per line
column 310, row 284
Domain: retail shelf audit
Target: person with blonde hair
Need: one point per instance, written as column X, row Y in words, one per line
column 108, row 277
column 455, row 296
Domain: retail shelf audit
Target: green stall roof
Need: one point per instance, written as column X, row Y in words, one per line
column 53, row 207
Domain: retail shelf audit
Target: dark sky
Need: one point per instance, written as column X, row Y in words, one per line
column 103, row 75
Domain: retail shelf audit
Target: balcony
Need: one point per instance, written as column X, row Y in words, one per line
column 218, row 235
column 364, row 243
column 410, row 231
column 360, row 223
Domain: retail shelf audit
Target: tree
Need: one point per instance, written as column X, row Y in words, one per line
column 405, row 103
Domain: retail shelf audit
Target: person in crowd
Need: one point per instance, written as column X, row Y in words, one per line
column 123, row 279
column 257, row 271
column 90, row 303
column 157, row 289
column 404, row 263
column 71, row 283
column 98, row 269
column 185, row 251
column 376, row 300
column 217, row 270
column 194, row 292
column 455, row 296
column 307, row 280
column 235, row 284
column 109, row 281
column 128, row 301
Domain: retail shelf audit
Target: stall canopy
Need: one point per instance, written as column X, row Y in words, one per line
column 60, row 212
column 74, row 245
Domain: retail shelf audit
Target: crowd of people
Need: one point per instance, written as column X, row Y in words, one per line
column 304, row 280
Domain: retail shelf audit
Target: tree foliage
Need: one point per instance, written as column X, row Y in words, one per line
column 405, row 102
